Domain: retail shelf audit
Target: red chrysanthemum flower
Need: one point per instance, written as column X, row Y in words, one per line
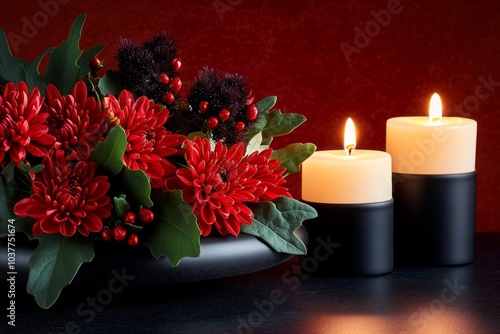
column 67, row 198
column 216, row 184
column 76, row 121
column 22, row 125
column 148, row 142
column 269, row 174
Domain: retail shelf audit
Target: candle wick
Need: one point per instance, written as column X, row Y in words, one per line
column 349, row 149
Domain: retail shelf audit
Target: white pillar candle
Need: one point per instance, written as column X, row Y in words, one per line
column 337, row 177
column 432, row 145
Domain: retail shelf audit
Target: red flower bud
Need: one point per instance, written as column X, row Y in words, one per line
column 146, row 215
column 224, row 114
column 95, row 64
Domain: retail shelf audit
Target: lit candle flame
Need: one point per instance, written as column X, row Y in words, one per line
column 349, row 137
column 435, row 109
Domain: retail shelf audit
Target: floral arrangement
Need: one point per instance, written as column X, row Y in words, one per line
column 125, row 158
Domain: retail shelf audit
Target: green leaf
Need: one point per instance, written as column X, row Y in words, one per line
column 267, row 142
column 11, row 68
column 16, row 69
column 110, row 83
column 138, row 185
column 109, row 153
column 276, row 222
column 27, row 168
column 54, row 264
column 121, row 206
column 193, row 135
column 62, row 69
column 33, row 76
column 176, row 234
column 10, row 194
column 279, row 124
column 273, row 123
column 266, row 104
column 37, row 168
column 8, row 173
column 293, row 156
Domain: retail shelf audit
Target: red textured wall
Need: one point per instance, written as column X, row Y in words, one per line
column 292, row 49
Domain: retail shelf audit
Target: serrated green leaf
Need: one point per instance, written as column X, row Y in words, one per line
column 272, row 123
column 293, row 155
column 54, row 264
column 275, row 223
column 121, row 206
column 110, row 83
column 62, row 69
column 108, row 154
column 176, row 234
column 138, row 185
column 16, row 69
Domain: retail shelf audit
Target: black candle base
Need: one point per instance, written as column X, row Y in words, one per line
column 358, row 238
column 434, row 219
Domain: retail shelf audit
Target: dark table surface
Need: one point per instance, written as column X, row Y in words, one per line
column 285, row 299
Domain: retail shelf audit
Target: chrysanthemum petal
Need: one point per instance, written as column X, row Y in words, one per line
column 67, row 229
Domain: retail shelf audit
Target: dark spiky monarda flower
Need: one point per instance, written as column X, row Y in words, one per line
column 221, row 104
column 150, row 69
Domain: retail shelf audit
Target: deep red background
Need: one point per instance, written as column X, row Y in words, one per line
column 292, row 49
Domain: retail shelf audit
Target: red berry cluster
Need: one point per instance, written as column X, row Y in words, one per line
column 174, row 85
column 223, row 115
column 119, row 231
column 221, row 104
column 151, row 68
